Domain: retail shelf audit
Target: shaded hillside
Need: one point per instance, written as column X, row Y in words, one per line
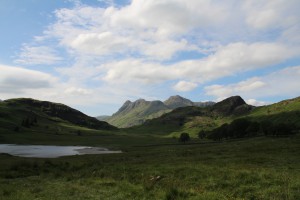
column 234, row 105
column 192, row 117
column 54, row 111
column 137, row 112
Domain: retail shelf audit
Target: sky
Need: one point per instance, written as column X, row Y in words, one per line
column 94, row 55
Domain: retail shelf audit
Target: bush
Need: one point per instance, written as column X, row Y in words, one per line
column 184, row 137
column 201, row 134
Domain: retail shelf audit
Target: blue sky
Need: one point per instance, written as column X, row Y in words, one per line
column 95, row 54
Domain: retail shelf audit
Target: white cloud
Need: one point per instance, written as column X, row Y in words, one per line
column 228, row 60
column 17, row 80
column 169, row 16
column 283, row 82
column 137, row 71
column 184, row 86
column 254, row 102
column 37, row 55
column 77, row 91
column 151, row 28
column 100, row 44
column 272, row 13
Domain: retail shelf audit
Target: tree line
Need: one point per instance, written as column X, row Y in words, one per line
column 243, row 127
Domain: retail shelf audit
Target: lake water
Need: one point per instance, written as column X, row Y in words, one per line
column 46, row 151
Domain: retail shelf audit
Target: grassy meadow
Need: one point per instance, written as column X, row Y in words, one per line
column 153, row 165
column 156, row 168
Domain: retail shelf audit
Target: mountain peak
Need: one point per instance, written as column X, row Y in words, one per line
column 232, row 105
column 127, row 102
column 175, row 97
column 124, row 106
column 177, row 101
column 234, row 100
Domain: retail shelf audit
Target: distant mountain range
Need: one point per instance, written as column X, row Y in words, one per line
column 194, row 119
column 137, row 112
column 169, row 118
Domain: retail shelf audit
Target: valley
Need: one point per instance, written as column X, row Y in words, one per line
column 153, row 163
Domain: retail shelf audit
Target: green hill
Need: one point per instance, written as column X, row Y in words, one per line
column 29, row 115
column 195, row 119
column 287, row 111
column 192, row 118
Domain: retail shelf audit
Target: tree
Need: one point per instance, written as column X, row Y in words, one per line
column 16, row 129
column 184, row 137
column 238, row 127
column 26, row 122
column 220, row 132
column 267, row 127
column 282, row 129
column 253, row 129
column 201, row 134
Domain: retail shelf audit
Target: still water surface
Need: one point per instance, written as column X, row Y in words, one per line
column 46, row 151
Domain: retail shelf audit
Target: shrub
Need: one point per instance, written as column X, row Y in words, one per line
column 184, row 137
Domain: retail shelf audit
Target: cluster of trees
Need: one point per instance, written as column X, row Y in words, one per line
column 29, row 121
column 240, row 128
column 184, row 137
column 243, row 127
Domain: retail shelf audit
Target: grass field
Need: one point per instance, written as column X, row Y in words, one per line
column 257, row 168
column 153, row 165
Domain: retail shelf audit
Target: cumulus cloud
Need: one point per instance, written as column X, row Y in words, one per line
column 228, row 60
column 37, row 55
column 100, row 43
column 133, row 70
column 283, row 82
column 169, row 16
column 271, row 14
column 184, row 86
column 16, row 79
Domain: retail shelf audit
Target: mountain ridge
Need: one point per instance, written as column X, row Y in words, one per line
column 196, row 119
column 141, row 110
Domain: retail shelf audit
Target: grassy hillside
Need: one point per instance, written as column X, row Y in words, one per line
column 194, row 119
column 287, row 111
column 28, row 115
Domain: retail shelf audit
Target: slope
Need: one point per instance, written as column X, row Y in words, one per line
column 29, row 115
column 192, row 118
column 287, row 111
